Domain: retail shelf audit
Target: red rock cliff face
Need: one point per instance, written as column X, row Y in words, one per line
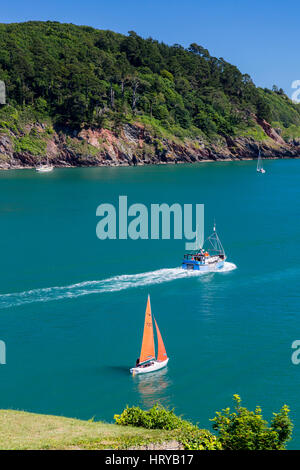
column 135, row 145
column 268, row 129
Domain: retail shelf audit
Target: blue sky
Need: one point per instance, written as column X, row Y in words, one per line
column 260, row 37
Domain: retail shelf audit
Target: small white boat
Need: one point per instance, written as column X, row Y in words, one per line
column 259, row 167
column 147, row 362
column 45, row 168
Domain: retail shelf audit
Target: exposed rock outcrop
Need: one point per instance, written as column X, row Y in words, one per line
column 170, row 445
column 135, row 145
column 268, row 129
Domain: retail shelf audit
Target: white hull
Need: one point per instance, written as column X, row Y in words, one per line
column 44, row 169
column 155, row 365
column 212, row 266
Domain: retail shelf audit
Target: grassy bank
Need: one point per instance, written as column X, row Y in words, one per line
column 22, row 430
column 156, row 428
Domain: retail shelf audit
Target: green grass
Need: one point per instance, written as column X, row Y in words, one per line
column 30, row 143
column 255, row 131
column 81, row 147
column 169, row 131
column 22, row 430
column 291, row 132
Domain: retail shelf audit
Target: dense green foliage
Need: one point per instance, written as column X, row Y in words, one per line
column 240, row 430
column 78, row 76
column 158, row 417
column 247, row 430
column 155, row 418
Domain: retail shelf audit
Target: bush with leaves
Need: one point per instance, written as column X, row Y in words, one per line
column 193, row 438
column 157, row 417
column 247, row 430
column 238, row 430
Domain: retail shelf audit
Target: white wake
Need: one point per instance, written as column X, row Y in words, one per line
column 113, row 284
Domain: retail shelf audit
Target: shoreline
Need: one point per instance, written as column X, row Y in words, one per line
column 160, row 163
column 132, row 145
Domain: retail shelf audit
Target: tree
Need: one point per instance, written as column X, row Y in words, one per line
column 77, row 74
column 263, row 109
column 196, row 49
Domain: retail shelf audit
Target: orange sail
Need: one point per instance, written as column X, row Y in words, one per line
column 148, row 351
column 162, row 353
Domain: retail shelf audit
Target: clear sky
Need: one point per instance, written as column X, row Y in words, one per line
column 260, row 37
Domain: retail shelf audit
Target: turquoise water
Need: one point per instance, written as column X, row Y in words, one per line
column 73, row 326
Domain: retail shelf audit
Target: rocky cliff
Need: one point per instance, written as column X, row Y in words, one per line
column 131, row 144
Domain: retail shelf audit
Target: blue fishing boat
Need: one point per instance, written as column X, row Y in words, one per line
column 210, row 257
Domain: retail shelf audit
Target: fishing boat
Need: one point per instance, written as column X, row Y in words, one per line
column 44, row 168
column 147, row 362
column 210, row 257
column 259, row 167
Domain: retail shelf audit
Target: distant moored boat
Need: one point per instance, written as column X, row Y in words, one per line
column 259, row 167
column 44, row 168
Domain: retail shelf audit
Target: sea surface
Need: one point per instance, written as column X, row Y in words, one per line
column 72, row 306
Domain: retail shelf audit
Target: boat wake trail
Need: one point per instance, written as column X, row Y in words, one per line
column 113, row 284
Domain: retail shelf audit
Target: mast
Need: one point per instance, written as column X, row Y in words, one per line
column 258, row 167
column 214, row 242
column 148, row 350
column 261, row 163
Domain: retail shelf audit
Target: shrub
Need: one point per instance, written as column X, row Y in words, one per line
column 157, row 417
column 81, row 147
column 193, row 438
column 31, row 144
column 247, row 430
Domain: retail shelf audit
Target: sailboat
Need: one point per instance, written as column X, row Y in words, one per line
column 259, row 167
column 208, row 258
column 147, row 361
column 44, row 168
